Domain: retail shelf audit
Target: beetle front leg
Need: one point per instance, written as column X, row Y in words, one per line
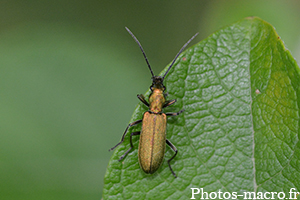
column 131, row 145
column 175, row 150
column 142, row 99
column 129, row 125
column 174, row 114
column 168, row 103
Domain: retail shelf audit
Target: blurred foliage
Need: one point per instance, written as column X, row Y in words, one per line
column 70, row 74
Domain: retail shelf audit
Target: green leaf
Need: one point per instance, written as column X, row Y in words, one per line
column 239, row 132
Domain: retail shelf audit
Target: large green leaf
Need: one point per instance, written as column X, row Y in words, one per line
column 239, row 132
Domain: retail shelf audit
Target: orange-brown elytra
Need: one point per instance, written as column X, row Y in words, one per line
column 153, row 139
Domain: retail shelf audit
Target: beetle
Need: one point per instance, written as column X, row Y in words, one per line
column 153, row 139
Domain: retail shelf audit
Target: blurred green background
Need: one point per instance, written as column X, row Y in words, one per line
column 69, row 75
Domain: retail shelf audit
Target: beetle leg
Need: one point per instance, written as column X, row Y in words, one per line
column 168, row 103
column 129, row 125
column 175, row 150
column 131, row 145
column 142, row 99
column 174, row 114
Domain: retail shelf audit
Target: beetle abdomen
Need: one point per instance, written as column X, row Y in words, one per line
column 152, row 141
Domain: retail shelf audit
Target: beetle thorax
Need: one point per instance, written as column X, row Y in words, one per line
column 156, row 100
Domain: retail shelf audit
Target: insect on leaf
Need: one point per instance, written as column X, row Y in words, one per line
column 240, row 128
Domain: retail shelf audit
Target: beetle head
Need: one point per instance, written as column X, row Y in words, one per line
column 157, row 83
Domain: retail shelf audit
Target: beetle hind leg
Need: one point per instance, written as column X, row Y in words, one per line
column 123, row 136
column 131, row 145
column 175, row 150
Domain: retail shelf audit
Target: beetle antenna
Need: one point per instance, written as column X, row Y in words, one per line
column 141, row 49
column 179, row 53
